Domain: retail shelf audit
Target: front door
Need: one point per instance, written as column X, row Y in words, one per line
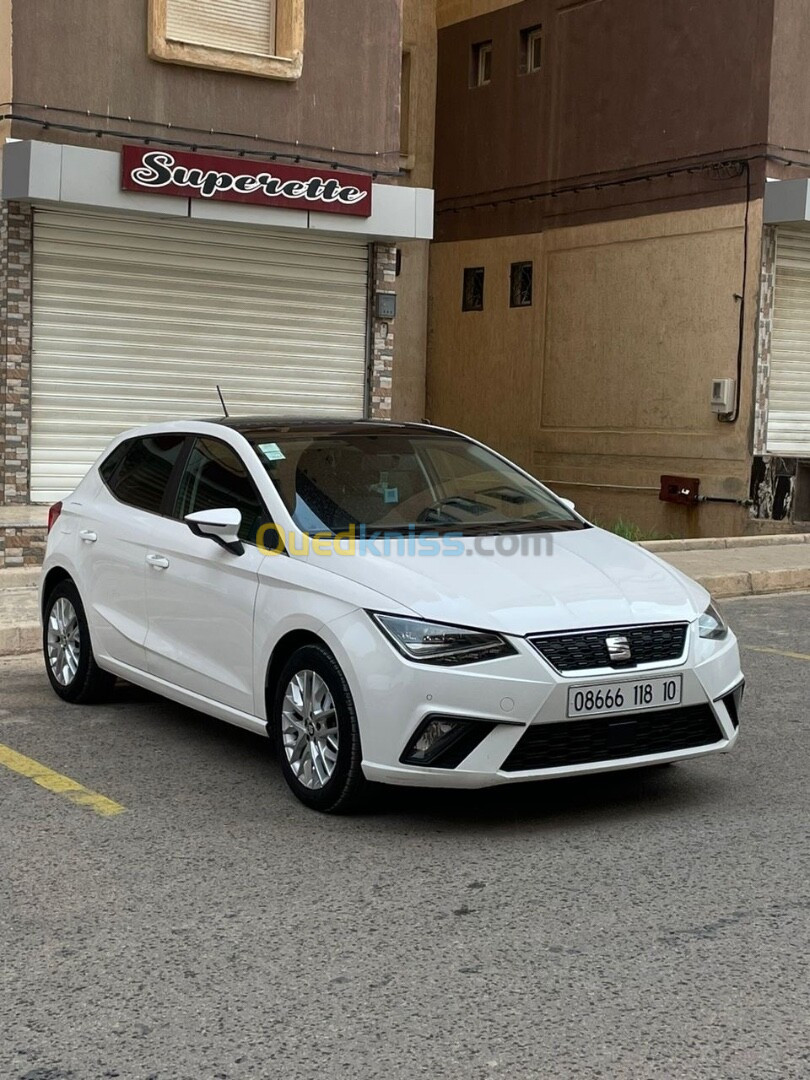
column 201, row 597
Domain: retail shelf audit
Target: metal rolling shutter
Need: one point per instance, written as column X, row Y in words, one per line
column 236, row 25
column 789, row 392
column 137, row 319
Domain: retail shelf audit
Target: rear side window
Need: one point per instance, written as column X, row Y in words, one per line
column 215, row 477
column 108, row 467
column 138, row 472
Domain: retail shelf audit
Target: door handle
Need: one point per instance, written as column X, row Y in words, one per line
column 158, row 562
column 88, row 536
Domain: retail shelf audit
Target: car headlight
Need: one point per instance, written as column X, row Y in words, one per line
column 437, row 643
column 711, row 624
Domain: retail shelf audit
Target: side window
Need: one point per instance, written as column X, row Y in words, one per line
column 138, row 472
column 109, row 465
column 215, row 477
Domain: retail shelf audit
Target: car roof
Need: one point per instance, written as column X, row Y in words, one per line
column 246, row 425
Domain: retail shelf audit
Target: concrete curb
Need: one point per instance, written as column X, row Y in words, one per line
column 754, row 582
column 19, row 640
column 19, row 577
column 717, row 543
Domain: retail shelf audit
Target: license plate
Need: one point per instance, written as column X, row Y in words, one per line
column 604, row 699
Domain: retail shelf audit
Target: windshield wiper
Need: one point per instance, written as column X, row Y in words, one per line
column 496, row 528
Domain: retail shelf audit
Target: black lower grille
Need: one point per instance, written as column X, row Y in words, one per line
column 605, row 738
column 583, row 651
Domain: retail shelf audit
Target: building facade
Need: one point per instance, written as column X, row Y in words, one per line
column 620, row 279
column 198, row 197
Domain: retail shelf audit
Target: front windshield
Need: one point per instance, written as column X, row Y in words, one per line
column 333, row 483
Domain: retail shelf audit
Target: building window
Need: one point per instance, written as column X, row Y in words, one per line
column 473, row 298
column 481, row 66
column 531, row 50
column 521, row 284
column 407, row 110
column 254, row 37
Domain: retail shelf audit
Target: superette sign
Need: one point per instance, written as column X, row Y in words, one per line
column 227, row 179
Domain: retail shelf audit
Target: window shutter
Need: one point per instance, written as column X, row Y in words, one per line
column 243, row 26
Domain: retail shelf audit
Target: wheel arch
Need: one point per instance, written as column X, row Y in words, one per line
column 54, row 577
column 283, row 650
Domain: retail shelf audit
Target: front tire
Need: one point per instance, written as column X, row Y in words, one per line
column 72, row 670
column 314, row 726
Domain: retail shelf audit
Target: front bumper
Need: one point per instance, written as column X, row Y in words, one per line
column 394, row 696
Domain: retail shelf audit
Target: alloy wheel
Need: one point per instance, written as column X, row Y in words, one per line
column 309, row 729
column 64, row 641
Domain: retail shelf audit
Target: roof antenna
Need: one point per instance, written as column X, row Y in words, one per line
column 222, row 402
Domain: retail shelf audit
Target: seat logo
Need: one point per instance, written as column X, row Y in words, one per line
column 618, row 648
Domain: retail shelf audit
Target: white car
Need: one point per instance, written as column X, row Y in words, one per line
column 388, row 602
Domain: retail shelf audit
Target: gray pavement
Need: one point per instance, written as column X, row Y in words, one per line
column 649, row 924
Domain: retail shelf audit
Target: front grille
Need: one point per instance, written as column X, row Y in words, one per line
column 584, row 651
column 605, row 738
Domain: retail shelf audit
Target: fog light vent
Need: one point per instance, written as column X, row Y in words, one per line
column 443, row 742
column 733, row 701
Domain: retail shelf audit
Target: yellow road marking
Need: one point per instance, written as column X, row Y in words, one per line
column 60, row 785
column 777, row 652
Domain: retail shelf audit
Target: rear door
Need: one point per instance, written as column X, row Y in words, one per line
column 114, row 537
column 201, row 597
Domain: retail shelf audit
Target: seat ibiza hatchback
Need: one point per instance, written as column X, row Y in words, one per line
column 388, row 602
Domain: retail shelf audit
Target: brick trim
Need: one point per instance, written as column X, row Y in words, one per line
column 764, row 337
column 384, row 276
column 22, row 546
column 16, row 258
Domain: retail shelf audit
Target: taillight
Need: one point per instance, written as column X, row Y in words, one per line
column 53, row 515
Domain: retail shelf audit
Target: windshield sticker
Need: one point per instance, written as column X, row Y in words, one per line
column 272, row 451
column 391, row 495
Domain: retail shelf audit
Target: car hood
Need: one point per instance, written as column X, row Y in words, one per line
column 522, row 584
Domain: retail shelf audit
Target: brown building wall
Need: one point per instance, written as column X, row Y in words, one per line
column 603, row 384
column 86, row 55
column 622, row 170
column 453, row 11
column 789, row 125
column 628, row 88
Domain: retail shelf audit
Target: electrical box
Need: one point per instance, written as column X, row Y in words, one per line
column 723, row 392
column 386, row 305
column 684, row 490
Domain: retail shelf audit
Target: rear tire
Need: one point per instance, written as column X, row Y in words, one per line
column 313, row 723
column 72, row 670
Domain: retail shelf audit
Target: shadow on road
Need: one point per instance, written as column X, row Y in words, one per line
column 578, row 802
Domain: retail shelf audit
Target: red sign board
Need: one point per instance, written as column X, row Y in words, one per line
column 231, row 179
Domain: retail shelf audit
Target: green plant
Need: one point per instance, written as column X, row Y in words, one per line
column 630, row 531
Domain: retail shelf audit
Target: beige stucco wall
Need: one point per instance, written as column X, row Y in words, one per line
column 606, row 378
column 410, row 333
column 5, row 71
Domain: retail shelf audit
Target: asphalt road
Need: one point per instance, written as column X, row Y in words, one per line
column 649, row 924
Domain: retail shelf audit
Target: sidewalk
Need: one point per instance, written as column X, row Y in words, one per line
column 743, row 565
column 19, row 616
column 727, row 567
